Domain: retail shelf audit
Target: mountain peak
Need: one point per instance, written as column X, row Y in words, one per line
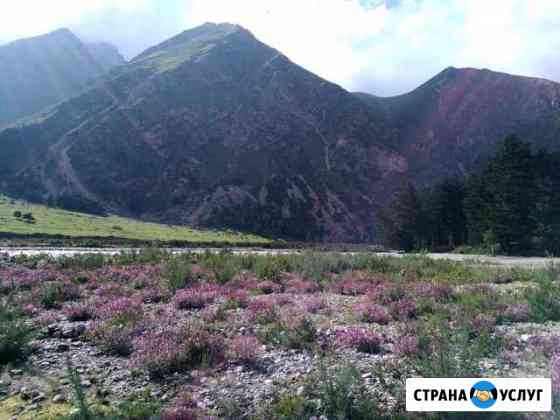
column 61, row 32
column 188, row 44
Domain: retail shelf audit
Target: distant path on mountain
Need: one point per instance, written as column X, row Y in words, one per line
column 499, row 261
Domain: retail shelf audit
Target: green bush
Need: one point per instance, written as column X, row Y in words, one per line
column 344, row 396
column 82, row 262
column 136, row 407
column 14, row 336
column 291, row 407
column 150, row 255
column 452, row 352
column 178, row 274
column 300, row 336
column 544, row 301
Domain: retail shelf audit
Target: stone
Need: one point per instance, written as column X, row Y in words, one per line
column 38, row 398
column 59, row 399
column 62, row 347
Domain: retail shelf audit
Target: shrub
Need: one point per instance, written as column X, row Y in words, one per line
column 373, row 313
column 197, row 297
column 30, row 310
column 549, row 345
column 290, row 407
column 268, row 287
column 519, row 312
column 183, row 408
column 237, row 299
column 301, row 333
column 78, row 312
column 82, row 261
column 263, row 310
column 484, row 322
column 171, row 349
column 110, row 290
column 294, row 283
column 343, row 395
column 245, row 349
column 225, row 274
column 440, row 293
column 161, row 351
column 454, row 352
column 351, row 287
column 407, row 345
column 544, row 301
column 244, row 280
column 222, row 266
column 555, row 370
column 121, row 311
column 362, row 340
column 178, row 274
column 52, row 295
column 404, row 309
column 395, row 294
column 314, row 304
column 154, row 294
column 115, row 338
column 15, row 336
column 270, row 268
column 214, row 313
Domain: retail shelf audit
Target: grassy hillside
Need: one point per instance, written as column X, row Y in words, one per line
column 50, row 221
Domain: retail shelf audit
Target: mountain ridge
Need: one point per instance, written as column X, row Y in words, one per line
column 214, row 128
column 41, row 71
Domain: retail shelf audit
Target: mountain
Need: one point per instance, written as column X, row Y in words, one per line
column 44, row 70
column 105, row 55
column 211, row 127
column 452, row 124
column 214, row 128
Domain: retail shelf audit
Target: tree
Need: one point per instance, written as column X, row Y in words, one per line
column 511, row 183
column 547, row 202
column 477, row 203
column 402, row 222
column 445, row 216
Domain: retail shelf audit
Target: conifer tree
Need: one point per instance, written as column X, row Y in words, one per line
column 403, row 219
column 511, row 182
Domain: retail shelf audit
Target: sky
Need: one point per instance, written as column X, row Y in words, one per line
column 384, row 47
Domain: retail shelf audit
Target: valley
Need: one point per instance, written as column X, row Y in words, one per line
column 201, row 228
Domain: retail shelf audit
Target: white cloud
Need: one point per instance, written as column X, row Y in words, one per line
column 384, row 50
column 23, row 18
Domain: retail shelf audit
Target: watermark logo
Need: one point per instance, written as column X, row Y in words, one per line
column 521, row 395
column 484, row 394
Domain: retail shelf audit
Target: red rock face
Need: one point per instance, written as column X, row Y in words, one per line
column 452, row 123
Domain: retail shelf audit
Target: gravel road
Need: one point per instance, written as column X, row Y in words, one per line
column 527, row 262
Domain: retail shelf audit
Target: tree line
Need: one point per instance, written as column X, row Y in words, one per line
column 511, row 207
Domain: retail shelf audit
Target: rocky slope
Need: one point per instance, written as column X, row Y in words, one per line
column 41, row 71
column 212, row 127
column 452, row 123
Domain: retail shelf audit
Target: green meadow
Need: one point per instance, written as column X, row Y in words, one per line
column 52, row 221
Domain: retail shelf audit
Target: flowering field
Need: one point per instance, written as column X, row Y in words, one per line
column 155, row 336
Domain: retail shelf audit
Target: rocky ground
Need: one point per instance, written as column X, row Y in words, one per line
column 250, row 376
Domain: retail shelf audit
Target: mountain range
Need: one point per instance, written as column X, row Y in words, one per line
column 214, row 128
column 44, row 70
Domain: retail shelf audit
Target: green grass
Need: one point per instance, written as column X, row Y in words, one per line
column 51, row 221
